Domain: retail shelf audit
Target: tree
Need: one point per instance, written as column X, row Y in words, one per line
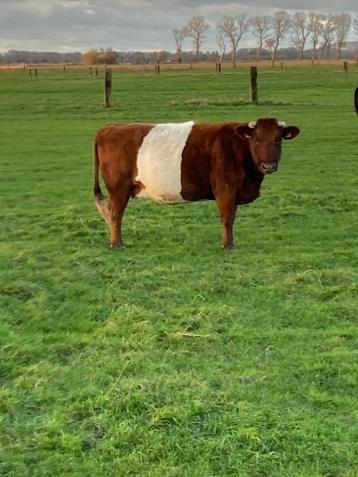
column 355, row 29
column 315, row 25
column 196, row 28
column 179, row 37
column 91, row 57
column 343, row 23
column 260, row 28
column 270, row 43
column 355, row 26
column 328, row 30
column 280, row 24
column 220, row 40
column 233, row 29
column 107, row 56
column 161, row 56
column 300, row 32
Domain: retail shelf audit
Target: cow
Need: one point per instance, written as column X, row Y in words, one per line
column 179, row 162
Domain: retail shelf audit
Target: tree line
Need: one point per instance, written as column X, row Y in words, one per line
column 311, row 34
column 24, row 56
column 322, row 32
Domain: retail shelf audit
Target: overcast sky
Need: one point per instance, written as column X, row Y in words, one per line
column 79, row 25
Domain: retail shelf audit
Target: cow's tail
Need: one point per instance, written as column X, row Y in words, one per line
column 100, row 203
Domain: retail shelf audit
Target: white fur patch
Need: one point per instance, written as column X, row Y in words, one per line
column 159, row 162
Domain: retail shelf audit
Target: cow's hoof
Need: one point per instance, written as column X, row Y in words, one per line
column 229, row 247
column 117, row 245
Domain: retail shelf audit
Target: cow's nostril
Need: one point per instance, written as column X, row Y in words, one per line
column 269, row 166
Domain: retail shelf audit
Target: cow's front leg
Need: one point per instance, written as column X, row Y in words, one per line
column 226, row 202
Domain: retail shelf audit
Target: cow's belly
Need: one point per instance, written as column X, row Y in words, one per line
column 159, row 162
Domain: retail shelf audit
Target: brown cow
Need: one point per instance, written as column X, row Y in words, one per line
column 172, row 163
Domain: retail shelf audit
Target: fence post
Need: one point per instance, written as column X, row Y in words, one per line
column 107, row 87
column 96, row 73
column 218, row 68
column 157, row 69
column 253, row 84
column 30, row 73
column 36, row 73
column 356, row 100
column 345, row 66
column 281, row 65
column 90, row 72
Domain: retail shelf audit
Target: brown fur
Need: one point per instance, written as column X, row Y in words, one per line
column 224, row 162
column 116, row 148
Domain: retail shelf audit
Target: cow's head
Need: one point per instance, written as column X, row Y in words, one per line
column 265, row 137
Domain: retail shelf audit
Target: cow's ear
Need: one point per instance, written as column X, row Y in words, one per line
column 245, row 132
column 290, row 132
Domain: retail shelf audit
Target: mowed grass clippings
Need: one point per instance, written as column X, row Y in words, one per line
column 173, row 357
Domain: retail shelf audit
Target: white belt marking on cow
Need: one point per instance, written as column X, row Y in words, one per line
column 159, row 161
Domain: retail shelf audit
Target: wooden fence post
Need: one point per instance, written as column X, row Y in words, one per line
column 253, row 84
column 345, row 66
column 30, row 73
column 356, row 100
column 218, row 68
column 90, row 72
column 96, row 73
column 107, row 87
column 281, row 65
column 157, row 69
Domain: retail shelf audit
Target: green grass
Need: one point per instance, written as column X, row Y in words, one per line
column 172, row 357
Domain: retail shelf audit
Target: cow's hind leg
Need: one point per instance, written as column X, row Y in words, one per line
column 117, row 203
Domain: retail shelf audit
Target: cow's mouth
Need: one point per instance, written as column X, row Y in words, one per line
column 268, row 167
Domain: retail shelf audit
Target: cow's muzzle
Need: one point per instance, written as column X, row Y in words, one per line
column 268, row 167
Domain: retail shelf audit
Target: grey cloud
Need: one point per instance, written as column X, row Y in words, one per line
column 127, row 24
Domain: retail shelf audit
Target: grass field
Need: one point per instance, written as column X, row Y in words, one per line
column 173, row 357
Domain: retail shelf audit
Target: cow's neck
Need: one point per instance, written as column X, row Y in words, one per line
column 252, row 182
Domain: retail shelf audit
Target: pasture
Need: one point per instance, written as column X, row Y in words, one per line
column 173, row 357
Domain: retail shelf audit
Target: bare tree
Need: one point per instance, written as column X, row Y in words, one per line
column 260, row 28
column 280, row 24
column 355, row 29
column 300, row 32
column 270, row 43
column 315, row 25
column 179, row 37
column 233, row 28
column 196, row 28
column 355, row 26
column 161, row 56
column 220, row 40
column 343, row 23
column 328, row 31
